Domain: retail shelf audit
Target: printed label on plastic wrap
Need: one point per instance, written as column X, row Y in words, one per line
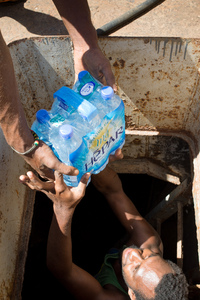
column 87, row 89
column 57, row 120
column 98, row 144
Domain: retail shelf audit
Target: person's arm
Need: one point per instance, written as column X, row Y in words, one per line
column 141, row 233
column 14, row 125
column 77, row 281
column 12, row 117
column 87, row 54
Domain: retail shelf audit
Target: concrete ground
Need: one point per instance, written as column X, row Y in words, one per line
column 172, row 18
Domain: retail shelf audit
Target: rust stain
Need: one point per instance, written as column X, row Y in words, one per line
column 1, row 215
column 173, row 114
column 146, row 41
column 6, row 287
column 119, row 64
column 152, row 74
column 129, row 123
column 136, row 142
column 143, row 103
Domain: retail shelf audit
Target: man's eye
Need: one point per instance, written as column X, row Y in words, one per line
column 137, row 267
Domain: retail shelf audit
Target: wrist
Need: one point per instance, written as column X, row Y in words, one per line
column 32, row 148
column 21, row 140
column 63, row 209
column 85, row 41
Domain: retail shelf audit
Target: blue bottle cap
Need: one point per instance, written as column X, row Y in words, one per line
column 82, row 74
column 42, row 116
column 87, row 110
column 107, row 92
column 66, row 131
column 84, row 107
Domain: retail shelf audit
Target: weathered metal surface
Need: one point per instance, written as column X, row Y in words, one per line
column 168, row 206
column 16, row 205
column 160, row 79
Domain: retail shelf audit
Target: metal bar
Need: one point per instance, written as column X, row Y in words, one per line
column 167, row 207
column 179, row 251
column 144, row 166
column 158, row 226
column 128, row 17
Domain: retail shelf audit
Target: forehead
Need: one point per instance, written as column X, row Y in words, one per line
column 154, row 264
column 149, row 274
column 145, row 279
column 150, row 270
column 148, row 277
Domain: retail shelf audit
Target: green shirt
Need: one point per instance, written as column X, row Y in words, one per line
column 107, row 274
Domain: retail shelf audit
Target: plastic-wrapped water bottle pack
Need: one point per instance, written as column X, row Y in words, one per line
column 84, row 126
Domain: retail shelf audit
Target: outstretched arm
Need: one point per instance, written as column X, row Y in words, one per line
column 78, row 282
column 14, row 125
column 141, row 233
column 87, row 54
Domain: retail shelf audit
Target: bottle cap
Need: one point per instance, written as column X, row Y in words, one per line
column 42, row 116
column 82, row 74
column 84, row 107
column 87, row 110
column 66, row 131
column 107, row 92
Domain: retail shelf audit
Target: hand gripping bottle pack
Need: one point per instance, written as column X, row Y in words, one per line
column 101, row 137
column 97, row 123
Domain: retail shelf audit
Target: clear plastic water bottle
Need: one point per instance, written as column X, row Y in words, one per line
column 68, row 145
column 112, row 100
column 90, row 88
column 86, row 85
column 42, row 126
column 85, row 117
column 60, row 112
column 79, row 136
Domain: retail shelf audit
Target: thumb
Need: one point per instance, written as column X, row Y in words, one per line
column 60, row 185
column 64, row 169
column 110, row 78
column 83, row 182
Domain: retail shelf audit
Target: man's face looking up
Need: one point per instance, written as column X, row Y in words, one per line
column 142, row 270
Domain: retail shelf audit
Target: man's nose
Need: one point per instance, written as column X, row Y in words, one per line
column 136, row 255
column 146, row 253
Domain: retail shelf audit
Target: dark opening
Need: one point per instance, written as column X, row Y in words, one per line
column 90, row 243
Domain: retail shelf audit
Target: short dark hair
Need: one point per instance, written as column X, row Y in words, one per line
column 171, row 286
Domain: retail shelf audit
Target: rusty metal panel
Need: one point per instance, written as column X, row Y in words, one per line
column 16, row 206
column 160, row 81
column 159, row 76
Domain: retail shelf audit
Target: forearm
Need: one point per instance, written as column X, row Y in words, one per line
column 77, row 19
column 59, row 261
column 87, row 53
column 141, row 233
column 139, row 230
column 59, row 247
column 12, row 117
